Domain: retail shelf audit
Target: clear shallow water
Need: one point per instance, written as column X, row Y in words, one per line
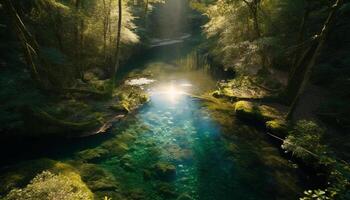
column 215, row 156
column 176, row 146
column 207, row 153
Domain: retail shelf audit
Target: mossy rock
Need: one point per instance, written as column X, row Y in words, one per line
column 136, row 194
column 116, row 147
column 166, row 190
column 122, row 106
column 144, row 98
column 125, row 137
column 20, row 174
column 92, row 155
column 44, row 179
column 247, row 110
column 216, row 94
column 250, row 111
column 97, row 179
column 278, row 127
column 48, row 186
column 164, row 171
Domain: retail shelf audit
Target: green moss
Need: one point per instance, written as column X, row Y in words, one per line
column 277, row 127
column 58, row 177
column 18, row 177
column 122, row 106
column 247, row 110
column 48, row 185
column 250, row 111
column 116, row 147
column 129, row 98
column 166, row 190
column 92, row 155
column 97, row 179
column 164, row 171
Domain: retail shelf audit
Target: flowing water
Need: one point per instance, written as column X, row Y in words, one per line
column 176, row 146
column 205, row 151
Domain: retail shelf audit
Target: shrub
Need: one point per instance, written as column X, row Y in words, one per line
column 304, row 140
column 49, row 186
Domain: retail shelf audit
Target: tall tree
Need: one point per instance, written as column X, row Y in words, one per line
column 117, row 52
column 313, row 53
column 253, row 8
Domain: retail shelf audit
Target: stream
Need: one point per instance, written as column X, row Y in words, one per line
column 182, row 147
column 177, row 147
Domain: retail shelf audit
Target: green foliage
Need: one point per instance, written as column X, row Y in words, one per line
column 304, row 141
column 338, row 185
column 315, row 195
column 76, row 36
column 49, row 186
column 233, row 26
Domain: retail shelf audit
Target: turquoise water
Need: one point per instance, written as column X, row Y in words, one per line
column 175, row 146
column 212, row 155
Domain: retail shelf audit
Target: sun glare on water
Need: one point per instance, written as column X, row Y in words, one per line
column 171, row 93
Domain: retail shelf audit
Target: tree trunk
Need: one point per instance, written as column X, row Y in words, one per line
column 78, row 38
column 300, row 39
column 105, row 29
column 315, row 53
column 256, row 19
column 115, row 68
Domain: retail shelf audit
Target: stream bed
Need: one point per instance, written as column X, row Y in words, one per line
column 173, row 147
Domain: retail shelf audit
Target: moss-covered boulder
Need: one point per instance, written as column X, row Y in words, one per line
column 57, row 181
column 129, row 98
column 122, row 106
column 19, row 175
column 97, row 179
column 247, row 110
column 116, row 147
column 277, row 127
column 50, row 186
column 92, row 155
column 253, row 112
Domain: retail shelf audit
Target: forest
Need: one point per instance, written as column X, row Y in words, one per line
column 174, row 99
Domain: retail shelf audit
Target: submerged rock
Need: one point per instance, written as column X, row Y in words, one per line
column 166, row 190
column 136, row 194
column 92, row 155
column 185, row 197
column 164, row 171
column 116, row 147
column 97, row 179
